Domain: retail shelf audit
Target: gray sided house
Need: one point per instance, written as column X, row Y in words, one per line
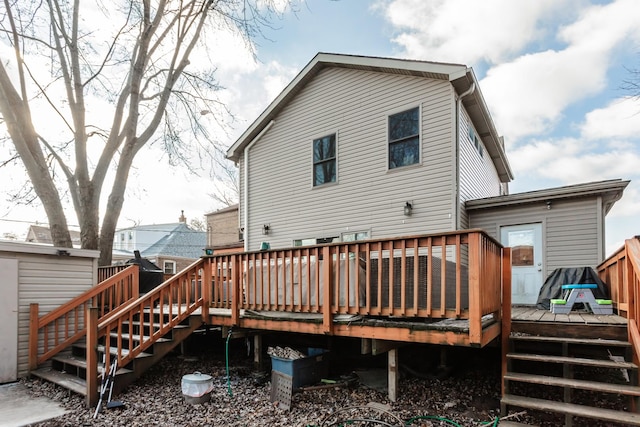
column 362, row 147
column 352, row 141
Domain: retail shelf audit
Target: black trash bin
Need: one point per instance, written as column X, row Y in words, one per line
column 149, row 275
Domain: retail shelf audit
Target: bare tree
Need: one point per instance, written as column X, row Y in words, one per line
column 116, row 77
column 632, row 84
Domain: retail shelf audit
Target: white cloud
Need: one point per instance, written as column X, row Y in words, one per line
column 619, row 119
column 529, row 95
column 569, row 161
column 469, row 31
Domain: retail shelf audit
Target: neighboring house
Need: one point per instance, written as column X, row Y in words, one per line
column 40, row 234
column 361, row 147
column 223, row 232
column 172, row 247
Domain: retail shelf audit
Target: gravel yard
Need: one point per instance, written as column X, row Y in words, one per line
column 468, row 396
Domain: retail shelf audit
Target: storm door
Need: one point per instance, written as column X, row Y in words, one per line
column 525, row 242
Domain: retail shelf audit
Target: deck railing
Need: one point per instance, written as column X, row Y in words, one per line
column 152, row 314
column 55, row 331
column 454, row 275
column 621, row 272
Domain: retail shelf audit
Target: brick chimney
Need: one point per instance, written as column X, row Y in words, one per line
column 182, row 217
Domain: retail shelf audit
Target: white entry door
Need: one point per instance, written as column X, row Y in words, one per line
column 525, row 242
column 8, row 320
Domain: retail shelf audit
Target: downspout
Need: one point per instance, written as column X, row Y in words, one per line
column 469, row 91
column 245, row 202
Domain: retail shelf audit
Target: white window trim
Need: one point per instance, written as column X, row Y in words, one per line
column 172, row 264
column 420, row 137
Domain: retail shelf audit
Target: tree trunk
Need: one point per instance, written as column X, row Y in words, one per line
column 18, row 119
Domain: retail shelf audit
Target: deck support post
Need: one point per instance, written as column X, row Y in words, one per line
column 327, row 289
column 236, row 299
column 393, row 374
column 258, row 359
column 506, row 313
column 207, row 288
column 475, row 304
column 33, row 336
column 92, row 356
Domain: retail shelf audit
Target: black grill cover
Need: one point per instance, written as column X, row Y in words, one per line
column 149, row 276
column 552, row 287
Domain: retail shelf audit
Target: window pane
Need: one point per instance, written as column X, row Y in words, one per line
column 324, row 172
column 403, row 125
column 324, row 148
column 404, row 153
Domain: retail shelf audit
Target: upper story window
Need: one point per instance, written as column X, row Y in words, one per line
column 404, row 138
column 476, row 141
column 324, row 160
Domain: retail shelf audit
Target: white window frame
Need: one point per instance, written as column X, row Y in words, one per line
column 167, row 263
column 313, row 164
column 420, row 134
column 346, row 237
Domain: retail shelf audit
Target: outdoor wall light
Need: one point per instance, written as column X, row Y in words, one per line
column 548, row 204
column 265, row 229
column 408, row 208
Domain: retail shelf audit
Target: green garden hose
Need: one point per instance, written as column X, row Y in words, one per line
column 229, row 392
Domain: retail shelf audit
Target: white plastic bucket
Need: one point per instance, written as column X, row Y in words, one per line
column 197, row 387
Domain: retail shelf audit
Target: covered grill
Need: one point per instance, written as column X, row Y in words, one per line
column 150, row 275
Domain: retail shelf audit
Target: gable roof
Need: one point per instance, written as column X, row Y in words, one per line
column 610, row 190
column 460, row 76
column 182, row 242
column 40, row 234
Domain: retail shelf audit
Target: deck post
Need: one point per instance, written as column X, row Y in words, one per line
column 327, row 289
column 506, row 312
column 207, row 285
column 393, row 374
column 257, row 352
column 475, row 303
column 33, row 336
column 235, row 294
column 92, row 356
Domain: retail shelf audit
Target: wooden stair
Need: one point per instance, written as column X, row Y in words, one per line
column 68, row 369
column 575, row 379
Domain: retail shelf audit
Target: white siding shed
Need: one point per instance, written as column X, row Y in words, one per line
column 42, row 274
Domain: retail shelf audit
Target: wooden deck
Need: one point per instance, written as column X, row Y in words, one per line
column 533, row 314
column 577, row 324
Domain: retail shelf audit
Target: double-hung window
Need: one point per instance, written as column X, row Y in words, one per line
column 404, row 138
column 324, row 160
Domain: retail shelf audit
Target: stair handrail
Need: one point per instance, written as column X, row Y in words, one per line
column 168, row 297
column 632, row 247
column 116, row 290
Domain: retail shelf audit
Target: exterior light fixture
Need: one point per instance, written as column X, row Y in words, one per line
column 265, row 229
column 408, row 208
column 548, row 204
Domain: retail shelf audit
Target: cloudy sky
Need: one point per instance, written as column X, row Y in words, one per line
column 551, row 71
